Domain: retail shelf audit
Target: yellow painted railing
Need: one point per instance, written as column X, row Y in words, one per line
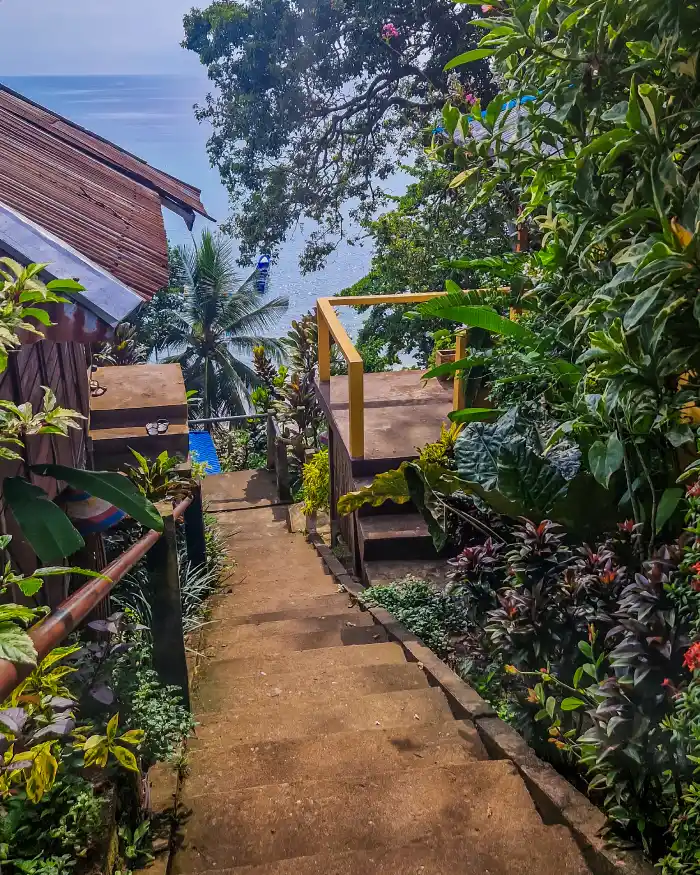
column 330, row 328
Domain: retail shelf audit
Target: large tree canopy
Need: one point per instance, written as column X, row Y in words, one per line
column 316, row 102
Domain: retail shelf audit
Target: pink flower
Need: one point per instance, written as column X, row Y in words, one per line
column 469, row 99
column 627, row 527
column 389, row 32
column 486, row 8
column 694, row 490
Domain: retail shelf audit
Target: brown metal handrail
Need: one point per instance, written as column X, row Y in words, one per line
column 50, row 632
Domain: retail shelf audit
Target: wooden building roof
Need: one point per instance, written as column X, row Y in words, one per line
column 98, row 198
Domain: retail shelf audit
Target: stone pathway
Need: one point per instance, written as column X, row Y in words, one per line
column 320, row 750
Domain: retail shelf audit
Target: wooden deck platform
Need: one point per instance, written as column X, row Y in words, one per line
column 402, row 412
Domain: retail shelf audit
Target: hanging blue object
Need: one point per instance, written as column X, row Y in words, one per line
column 263, row 269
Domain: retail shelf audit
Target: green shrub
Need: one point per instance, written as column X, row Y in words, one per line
column 316, row 483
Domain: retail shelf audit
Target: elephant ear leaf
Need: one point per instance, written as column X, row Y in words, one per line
column 529, row 479
column 110, row 486
column 43, row 523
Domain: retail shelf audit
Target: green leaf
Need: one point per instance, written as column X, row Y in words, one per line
column 667, row 506
column 65, row 285
column 388, row 486
column 110, row 486
column 468, row 57
column 642, row 304
column 40, row 315
column 604, row 142
column 452, row 367
column 30, row 585
column 634, row 112
column 550, row 706
column 605, row 459
column 474, row 414
column 48, row 530
column 16, row 646
column 571, row 704
column 125, row 758
column 427, row 505
column 482, row 317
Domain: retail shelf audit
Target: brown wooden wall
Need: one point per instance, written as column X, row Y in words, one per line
column 342, row 482
column 64, row 368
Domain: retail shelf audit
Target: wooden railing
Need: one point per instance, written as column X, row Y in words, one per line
column 160, row 551
column 330, row 329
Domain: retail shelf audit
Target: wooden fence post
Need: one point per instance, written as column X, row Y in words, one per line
column 194, row 530
column 271, row 438
column 169, row 657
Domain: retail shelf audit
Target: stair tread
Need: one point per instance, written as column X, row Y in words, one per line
column 394, row 525
column 222, row 633
column 339, row 756
column 299, row 720
column 216, row 693
column 278, row 645
column 308, row 660
column 483, row 801
column 271, row 610
column 550, row 851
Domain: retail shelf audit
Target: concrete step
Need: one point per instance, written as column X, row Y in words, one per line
column 274, row 609
column 553, row 855
column 250, row 597
column 224, row 634
column 217, row 693
column 240, row 489
column 305, row 719
column 278, row 645
column 342, row 756
column 310, row 660
column 485, row 804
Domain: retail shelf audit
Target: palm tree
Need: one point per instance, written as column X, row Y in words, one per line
column 221, row 320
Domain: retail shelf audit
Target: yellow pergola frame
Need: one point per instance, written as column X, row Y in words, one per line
column 330, row 328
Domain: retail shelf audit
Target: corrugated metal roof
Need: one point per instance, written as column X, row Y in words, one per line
column 103, row 201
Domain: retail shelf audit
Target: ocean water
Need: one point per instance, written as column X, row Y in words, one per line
column 153, row 117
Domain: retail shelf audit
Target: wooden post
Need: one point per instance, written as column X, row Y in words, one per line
column 271, row 438
column 169, row 658
column 324, row 347
column 194, row 530
column 282, row 468
column 460, row 353
column 356, row 391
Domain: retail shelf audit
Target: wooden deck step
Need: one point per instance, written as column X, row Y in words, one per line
column 304, row 719
column 339, row 756
column 471, row 804
column 394, row 536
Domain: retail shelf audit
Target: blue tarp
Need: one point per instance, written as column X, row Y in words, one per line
column 202, row 449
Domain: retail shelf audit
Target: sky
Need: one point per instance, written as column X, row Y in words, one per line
column 84, row 37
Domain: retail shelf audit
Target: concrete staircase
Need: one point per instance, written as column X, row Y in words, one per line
column 321, row 751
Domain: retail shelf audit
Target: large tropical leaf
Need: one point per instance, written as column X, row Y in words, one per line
column 110, row 486
column 483, row 317
column 529, row 480
column 479, row 444
column 388, row 486
column 43, row 523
